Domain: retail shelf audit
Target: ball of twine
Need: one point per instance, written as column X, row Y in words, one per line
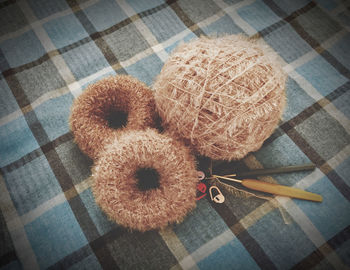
column 224, row 96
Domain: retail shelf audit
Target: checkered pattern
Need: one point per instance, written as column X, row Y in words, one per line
column 50, row 50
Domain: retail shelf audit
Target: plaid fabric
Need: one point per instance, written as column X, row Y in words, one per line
column 52, row 49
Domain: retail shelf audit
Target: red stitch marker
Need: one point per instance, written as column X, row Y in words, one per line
column 202, row 188
column 200, row 197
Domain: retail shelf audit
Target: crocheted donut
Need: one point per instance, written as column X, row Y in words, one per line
column 109, row 107
column 145, row 180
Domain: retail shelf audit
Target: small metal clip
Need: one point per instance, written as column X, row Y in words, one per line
column 201, row 175
column 219, row 198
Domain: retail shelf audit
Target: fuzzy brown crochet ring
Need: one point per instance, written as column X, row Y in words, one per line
column 143, row 180
column 107, row 109
column 218, row 97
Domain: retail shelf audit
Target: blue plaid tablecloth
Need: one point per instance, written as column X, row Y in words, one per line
column 50, row 50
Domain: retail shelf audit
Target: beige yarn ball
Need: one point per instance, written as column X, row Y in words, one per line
column 224, row 96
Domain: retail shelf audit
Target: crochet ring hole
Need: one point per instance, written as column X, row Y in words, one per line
column 148, row 178
column 117, row 119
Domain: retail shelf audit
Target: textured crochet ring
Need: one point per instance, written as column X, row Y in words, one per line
column 109, row 107
column 145, row 180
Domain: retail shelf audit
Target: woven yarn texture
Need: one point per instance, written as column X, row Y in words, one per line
column 115, row 185
column 223, row 96
column 90, row 111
